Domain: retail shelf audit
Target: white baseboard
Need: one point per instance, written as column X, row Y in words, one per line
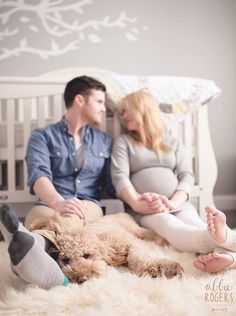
column 225, row 202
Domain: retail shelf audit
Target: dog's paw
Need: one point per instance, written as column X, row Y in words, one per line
column 168, row 269
column 155, row 271
column 172, row 269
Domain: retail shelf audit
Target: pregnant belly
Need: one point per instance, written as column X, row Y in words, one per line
column 159, row 180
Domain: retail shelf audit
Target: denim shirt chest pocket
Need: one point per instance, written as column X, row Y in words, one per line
column 99, row 156
column 59, row 160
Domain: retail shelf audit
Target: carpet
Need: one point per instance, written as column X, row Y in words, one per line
column 121, row 293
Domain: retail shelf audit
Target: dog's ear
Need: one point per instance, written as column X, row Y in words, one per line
column 52, row 223
column 38, row 223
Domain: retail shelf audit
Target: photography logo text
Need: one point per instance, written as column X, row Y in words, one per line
column 219, row 295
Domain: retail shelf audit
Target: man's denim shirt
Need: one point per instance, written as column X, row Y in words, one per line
column 51, row 153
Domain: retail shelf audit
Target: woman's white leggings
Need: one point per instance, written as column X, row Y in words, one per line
column 184, row 230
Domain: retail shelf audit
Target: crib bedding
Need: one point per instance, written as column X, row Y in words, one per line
column 167, row 90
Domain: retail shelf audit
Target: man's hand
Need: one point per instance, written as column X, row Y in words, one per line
column 168, row 203
column 71, row 206
column 155, row 202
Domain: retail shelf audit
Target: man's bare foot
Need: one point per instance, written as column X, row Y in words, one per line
column 213, row 262
column 216, row 221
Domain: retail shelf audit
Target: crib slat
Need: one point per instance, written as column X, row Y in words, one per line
column 188, row 133
column 41, row 111
column 1, row 110
column 57, row 107
column 11, row 145
column 207, row 166
column 0, row 160
column 26, row 135
column 189, row 138
column 195, row 146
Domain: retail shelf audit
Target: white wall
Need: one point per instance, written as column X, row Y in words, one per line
column 168, row 37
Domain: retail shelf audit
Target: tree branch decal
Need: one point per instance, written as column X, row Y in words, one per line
column 23, row 47
column 62, row 23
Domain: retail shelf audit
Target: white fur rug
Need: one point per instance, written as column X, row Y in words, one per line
column 121, row 293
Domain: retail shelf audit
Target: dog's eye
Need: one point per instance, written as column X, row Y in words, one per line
column 65, row 261
column 86, row 256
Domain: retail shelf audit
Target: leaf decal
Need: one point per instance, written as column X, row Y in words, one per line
column 23, row 42
column 25, row 19
column 131, row 37
column 94, row 38
column 34, row 28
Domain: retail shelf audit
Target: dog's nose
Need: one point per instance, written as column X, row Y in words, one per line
column 81, row 279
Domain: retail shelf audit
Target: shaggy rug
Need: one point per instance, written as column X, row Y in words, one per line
column 122, row 293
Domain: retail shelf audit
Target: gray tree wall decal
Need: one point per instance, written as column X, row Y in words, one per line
column 63, row 25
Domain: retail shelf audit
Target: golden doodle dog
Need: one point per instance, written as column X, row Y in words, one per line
column 115, row 240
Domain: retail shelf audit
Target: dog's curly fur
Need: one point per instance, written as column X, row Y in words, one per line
column 114, row 240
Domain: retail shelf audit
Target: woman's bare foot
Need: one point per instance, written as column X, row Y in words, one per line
column 216, row 221
column 213, row 262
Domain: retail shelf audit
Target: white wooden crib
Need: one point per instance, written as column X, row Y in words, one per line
column 30, row 102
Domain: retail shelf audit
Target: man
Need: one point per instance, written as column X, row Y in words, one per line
column 68, row 162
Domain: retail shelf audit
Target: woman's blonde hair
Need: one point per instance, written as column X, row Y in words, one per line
column 144, row 108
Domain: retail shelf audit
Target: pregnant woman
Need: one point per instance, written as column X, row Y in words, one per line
column 152, row 174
